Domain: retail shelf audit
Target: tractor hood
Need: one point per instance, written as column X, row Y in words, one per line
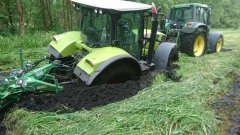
column 66, row 44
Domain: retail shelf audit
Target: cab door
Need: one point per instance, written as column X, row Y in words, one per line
column 128, row 32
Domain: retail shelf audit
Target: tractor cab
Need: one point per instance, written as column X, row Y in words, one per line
column 184, row 14
column 112, row 25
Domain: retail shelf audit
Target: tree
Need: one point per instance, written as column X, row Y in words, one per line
column 44, row 14
column 20, row 18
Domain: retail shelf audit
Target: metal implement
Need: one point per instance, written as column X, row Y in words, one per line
column 27, row 80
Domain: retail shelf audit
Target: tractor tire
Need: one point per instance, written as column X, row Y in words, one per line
column 194, row 44
column 173, row 57
column 117, row 73
column 216, row 43
column 219, row 44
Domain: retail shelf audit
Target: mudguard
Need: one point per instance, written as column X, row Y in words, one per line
column 212, row 40
column 162, row 54
column 193, row 27
column 98, row 60
column 64, row 45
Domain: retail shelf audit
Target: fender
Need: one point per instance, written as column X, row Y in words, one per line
column 98, row 60
column 63, row 45
column 193, row 27
column 212, row 40
column 162, row 54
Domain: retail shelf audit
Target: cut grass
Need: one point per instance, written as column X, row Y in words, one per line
column 164, row 108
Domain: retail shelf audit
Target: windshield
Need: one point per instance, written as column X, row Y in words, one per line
column 182, row 14
column 95, row 27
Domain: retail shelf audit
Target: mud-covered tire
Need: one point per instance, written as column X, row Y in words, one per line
column 194, row 44
column 173, row 57
column 117, row 73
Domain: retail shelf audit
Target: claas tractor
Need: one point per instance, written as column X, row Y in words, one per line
column 118, row 41
column 188, row 25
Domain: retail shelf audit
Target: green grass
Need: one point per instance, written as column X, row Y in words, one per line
column 34, row 46
column 164, row 108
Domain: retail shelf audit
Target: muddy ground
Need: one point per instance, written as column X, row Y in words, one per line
column 228, row 110
column 75, row 98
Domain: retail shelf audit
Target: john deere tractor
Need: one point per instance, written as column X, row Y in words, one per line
column 114, row 44
column 188, row 25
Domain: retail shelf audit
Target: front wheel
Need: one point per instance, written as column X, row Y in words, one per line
column 117, row 73
column 194, row 44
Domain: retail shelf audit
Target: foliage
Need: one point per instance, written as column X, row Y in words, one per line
column 34, row 45
column 59, row 16
column 224, row 12
column 164, row 108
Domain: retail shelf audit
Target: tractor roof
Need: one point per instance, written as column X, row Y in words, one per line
column 116, row 5
column 188, row 5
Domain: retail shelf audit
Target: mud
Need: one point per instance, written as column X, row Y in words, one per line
column 3, row 112
column 2, row 128
column 228, row 108
column 226, row 49
column 75, row 98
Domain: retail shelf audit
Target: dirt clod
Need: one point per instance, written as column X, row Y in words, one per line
column 228, row 107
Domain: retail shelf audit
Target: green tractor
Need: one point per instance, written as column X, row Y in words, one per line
column 114, row 44
column 188, row 25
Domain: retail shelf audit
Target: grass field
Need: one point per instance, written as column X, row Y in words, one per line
column 166, row 107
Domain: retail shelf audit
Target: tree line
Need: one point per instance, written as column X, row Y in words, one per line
column 28, row 16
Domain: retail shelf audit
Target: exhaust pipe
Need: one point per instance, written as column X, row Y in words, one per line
column 153, row 34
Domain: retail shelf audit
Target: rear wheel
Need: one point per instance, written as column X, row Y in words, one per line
column 219, row 44
column 194, row 44
column 117, row 73
column 173, row 57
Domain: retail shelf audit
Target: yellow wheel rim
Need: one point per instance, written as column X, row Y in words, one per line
column 219, row 45
column 199, row 45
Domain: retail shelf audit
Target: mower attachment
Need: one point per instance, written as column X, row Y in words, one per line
column 27, row 80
